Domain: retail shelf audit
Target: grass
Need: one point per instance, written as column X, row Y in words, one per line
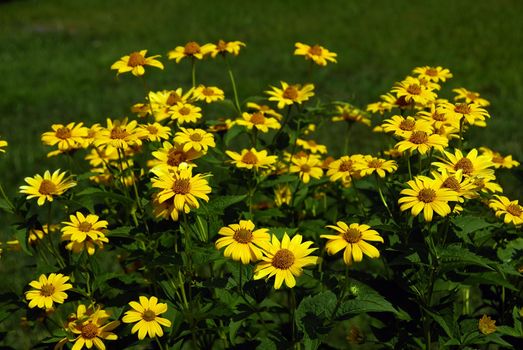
column 56, row 55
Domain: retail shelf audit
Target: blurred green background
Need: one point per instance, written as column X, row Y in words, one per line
column 55, row 58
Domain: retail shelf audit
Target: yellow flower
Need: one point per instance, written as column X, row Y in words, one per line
column 486, row 184
column 472, row 113
column 3, row 144
column 486, row 325
column 46, row 187
column 285, row 260
column 349, row 113
column 379, row 107
column 290, row 94
column 404, row 127
column 434, row 74
column 437, row 117
column 225, row 47
column 316, row 53
column 426, row 195
column 66, row 137
column 470, row 97
column 92, row 132
column 512, row 211
column 84, row 232
column 463, row 186
column 162, row 101
column 471, row 164
column 208, row 94
column 185, row 113
column 38, row 233
column 369, row 164
column 243, row 242
column 353, row 239
column 170, row 156
column 48, row 290
column 282, row 195
column 155, row 132
column 414, row 91
column 266, row 110
column 146, row 316
column 252, row 159
column 101, row 157
column 499, row 161
column 90, row 326
column 119, row 134
column 135, row 62
column 258, row 121
column 311, row 145
column 422, row 142
column 344, row 168
column 196, row 139
column 306, row 167
column 182, row 189
column 191, row 50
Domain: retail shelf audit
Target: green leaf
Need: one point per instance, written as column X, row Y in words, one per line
column 366, row 300
column 314, row 313
column 280, row 231
column 5, row 205
column 468, row 224
column 441, row 321
column 96, row 193
column 217, row 205
column 455, row 256
column 488, row 278
column 232, row 133
column 22, row 237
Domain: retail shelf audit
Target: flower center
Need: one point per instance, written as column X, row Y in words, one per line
column 432, row 72
column 148, row 315
column 312, row 143
column 208, row 91
column 173, row 99
column 315, row 50
column 136, row 59
column 290, row 93
column 452, row 183
column 89, row 331
column 472, row 96
column 182, row 186
column 419, row 137
column 174, row 157
column 47, row 290
column 464, row 164
column 191, row 48
column 352, row 235
column 414, row 89
column 85, row 226
column 47, row 187
column 427, row 195
column 462, row 108
column 305, row 168
column 184, row 111
column 249, row 158
column 498, row 159
column 257, row 118
column 375, row 163
column 479, row 183
column 440, row 117
column 152, row 129
column 514, row 209
column 196, row 137
column 407, row 124
column 119, row 133
column 283, row 259
column 221, row 46
column 63, row 133
column 243, row 236
column 346, row 166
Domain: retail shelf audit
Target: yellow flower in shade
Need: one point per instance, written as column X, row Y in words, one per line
column 344, row 168
column 102, row 157
column 185, row 113
column 266, row 110
column 499, row 161
column 91, row 327
column 170, row 156
column 512, row 211
column 282, row 195
column 369, row 164
column 353, row 238
column 350, row 114
column 306, row 167
column 135, row 62
column 92, row 133
column 290, row 94
column 208, row 94
column 404, row 127
column 242, row 241
column 380, row 107
column 3, row 145
column 258, row 121
column 38, row 233
column 311, row 145
column 285, row 260
column 413, row 90
column 196, row 139
column 120, row 134
column 486, row 184
column 46, row 187
column 252, row 159
column 472, row 164
column 225, row 47
column 48, row 290
column 470, row 97
column 318, row 54
column 163, row 101
column 182, row 189
column 434, row 74
column 426, row 195
column 65, row 137
column 422, row 142
column 463, row 186
column 486, row 325
column 146, row 316
column 437, row 117
column 84, row 232
column 191, row 50
column 472, row 113
column 155, row 131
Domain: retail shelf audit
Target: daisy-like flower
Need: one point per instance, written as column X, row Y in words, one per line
column 404, row 127
column 369, row 164
column 65, row 137
column 135, row 62
column 46, row 187
column 470, row 97
column 208, row 94
column 414, row 91
column 472, row 113
column 191, row 50
column 311, row 145
column 437, row 117
column 306, row 167
column 486, row 184
column 36, row 234
column 472, row 164
column 145, row 315
column 182, row 189
column 91, row 327
column 163, row 101
column 463, row 186
column 102, row 157
column 318, row 54
column 84, row 232
column 3, row 145
column 252, row 159
column 486, row 325
column 170, row 156
column 426, row 195
column 350, row 114
column 225, row 47
column 196, row 139
column 48, row 290
column 344, row 168
column 434, row 74
column 353, row 238
column 285, row 260
column 512, row 211
column 282, row 195
column 290, row 94
column 266, row 110
column 379, row 107
column 422, row 142
column 120, row 134
column 185, row 113
column 258, row 121
column 92, row 133
column 155, row 132
column 499, row 161
column 242, row 241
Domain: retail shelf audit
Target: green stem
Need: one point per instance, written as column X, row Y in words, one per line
column 285, row 121
column 381, row 196
column 159, row 344
column 461, row 123
column 346, row 140
column 233, row 83
column 408, row 165
column 11, row 206
column 292, row 301
column 193, row 72
column 342, row 293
